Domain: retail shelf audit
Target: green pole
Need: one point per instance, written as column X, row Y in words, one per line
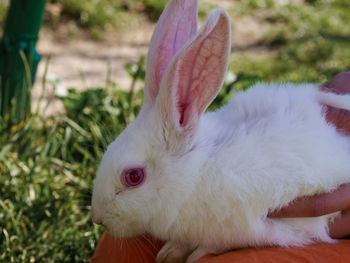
column 18, row 57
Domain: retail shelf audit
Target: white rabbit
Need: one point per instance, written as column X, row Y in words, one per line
column 205, row 182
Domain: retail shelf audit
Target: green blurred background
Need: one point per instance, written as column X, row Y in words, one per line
column 48, row 161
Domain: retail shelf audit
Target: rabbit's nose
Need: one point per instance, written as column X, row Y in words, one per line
column 96, row 215
column 97, row 221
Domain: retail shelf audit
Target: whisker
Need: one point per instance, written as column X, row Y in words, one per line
column 149, row 241
column 140, row 249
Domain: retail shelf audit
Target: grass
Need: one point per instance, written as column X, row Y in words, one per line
column 305, row 43
column 47, row 164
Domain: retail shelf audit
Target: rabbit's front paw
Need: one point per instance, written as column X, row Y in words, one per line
column 172, row 253
column 197, row 254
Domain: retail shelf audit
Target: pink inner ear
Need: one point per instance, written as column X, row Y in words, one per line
column 205, row 65
column 172, row 42
column 201, row 69
column 176, row 26
column 182, row 109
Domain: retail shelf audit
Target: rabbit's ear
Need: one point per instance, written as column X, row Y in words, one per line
column 195, row 76
column 176, row 26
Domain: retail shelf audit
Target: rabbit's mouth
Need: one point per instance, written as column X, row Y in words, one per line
column 123, row 231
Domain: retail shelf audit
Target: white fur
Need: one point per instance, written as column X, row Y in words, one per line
column 268, row 146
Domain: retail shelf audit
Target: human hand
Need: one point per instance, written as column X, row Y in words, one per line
column 322, row 204
column 339, row 199
column 339, row 117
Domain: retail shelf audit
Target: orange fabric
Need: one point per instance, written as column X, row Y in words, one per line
column 318, row 253
column 144, row 250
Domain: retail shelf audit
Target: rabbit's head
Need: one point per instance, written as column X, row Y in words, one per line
column 149, row 167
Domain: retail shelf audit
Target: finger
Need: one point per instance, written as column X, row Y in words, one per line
column 340, row 227
column 340, row 119
column 317, row 205
column 340, row 84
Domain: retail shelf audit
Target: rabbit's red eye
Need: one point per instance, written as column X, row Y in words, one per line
column 133, row 177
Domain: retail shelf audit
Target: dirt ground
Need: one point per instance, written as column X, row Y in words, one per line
column 82, row 62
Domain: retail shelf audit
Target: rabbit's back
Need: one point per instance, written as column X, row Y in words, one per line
column 282, row 128
column 268, row 102
column 270, row 145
